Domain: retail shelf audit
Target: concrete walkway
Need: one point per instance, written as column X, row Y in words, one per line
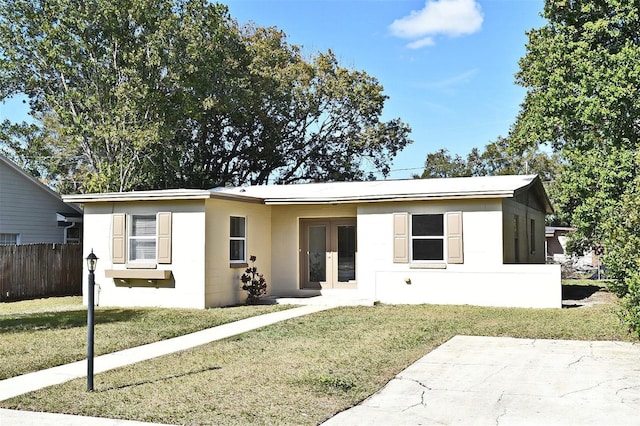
column 507, row 381
column 30, row 382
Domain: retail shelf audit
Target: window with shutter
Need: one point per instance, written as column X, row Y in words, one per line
column 424, row 238
column 141, row 239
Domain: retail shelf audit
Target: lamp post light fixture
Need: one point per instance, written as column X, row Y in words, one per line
column 92, row 262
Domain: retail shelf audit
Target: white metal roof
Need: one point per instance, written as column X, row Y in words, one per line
column 385, row 190
column 162, row 194
column 341, row 192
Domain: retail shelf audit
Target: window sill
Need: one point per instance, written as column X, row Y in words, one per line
column 138, row 274
column 428, row 266
column 134, row 265
column 238, row 265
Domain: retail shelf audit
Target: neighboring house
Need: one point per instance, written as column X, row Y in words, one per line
column 556, row 238
column 30, row 212
column 474, row 241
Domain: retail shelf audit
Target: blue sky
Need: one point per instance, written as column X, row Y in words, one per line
column 447, row 65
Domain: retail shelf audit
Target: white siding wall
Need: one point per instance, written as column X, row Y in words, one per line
column 482, row 279
column 223, row 285
column 523, row 286
column 184, row 290
column 28, row 209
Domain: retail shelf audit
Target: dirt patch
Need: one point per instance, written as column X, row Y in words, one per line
column 582, row 296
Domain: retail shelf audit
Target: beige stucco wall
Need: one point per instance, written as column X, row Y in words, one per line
column 285, row 241
column 223, row 286
column 185, row 289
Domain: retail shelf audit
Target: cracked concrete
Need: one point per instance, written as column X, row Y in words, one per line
column 507, row 381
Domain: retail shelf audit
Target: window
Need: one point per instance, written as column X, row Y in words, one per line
column 420, row 238
column 238, row 239
column 142, row 239
column 427, row 237
column 516, row 237
column 7, row 239
column 532, row 236
column 72, row 235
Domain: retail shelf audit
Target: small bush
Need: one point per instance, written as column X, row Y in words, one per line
column 253, row 283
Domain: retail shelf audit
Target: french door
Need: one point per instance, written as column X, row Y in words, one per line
column 328, row 253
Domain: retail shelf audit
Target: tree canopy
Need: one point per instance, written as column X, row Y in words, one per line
column 497, row 158
column 582, row 74
column 151, row 94
column 500, row 158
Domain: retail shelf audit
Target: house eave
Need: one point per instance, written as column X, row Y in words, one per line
column 165, row 195
column 382, row 198
column 537, row 186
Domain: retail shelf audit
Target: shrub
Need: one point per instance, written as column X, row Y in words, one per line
column 253, row 283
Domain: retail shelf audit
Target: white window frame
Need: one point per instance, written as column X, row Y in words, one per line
column 243, row 239
column 130, row 238
column 9, row 238
column 413, row 237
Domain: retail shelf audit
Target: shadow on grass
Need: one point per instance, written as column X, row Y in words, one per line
column 578, row 292
column 161, row 379
column 63, row 320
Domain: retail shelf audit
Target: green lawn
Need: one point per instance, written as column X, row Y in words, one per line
column 300, row 371
column 38, row 334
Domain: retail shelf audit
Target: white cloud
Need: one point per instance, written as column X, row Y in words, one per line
column 450, row 85
column 439, row 17
column 427, row 41
column 455, row 80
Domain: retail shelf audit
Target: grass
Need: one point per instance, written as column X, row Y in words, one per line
column 38, row 334
column 304, row 370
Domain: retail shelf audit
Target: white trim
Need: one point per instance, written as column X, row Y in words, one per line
column 442, row 238
column 236, row 238
column 16, row 235
column 130, row 237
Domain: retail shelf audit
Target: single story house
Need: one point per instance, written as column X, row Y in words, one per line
column 31, row 212
column 478, row 240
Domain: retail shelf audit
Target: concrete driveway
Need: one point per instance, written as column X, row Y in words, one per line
column 508, row 381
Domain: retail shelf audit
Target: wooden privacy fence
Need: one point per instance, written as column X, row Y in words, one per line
column 40, row 270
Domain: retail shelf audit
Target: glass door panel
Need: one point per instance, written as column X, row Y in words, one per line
column 327, row 253
column 317, row 266
column 346, row 235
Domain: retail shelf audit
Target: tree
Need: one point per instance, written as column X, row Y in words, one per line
column 441, row 164
column 140, row 94
column 89, row 66
column 582, row 74
column 500, row 158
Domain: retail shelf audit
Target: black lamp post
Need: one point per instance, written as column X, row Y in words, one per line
column 92, row 262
